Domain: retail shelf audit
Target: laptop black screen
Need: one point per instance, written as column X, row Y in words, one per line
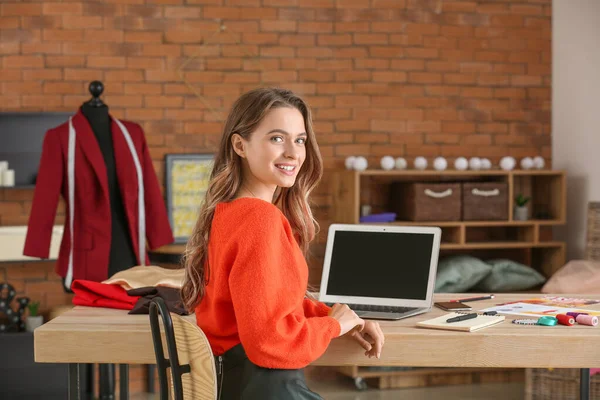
column 376, row 264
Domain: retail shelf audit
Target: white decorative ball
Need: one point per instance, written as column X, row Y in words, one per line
column 486, row 163
column 461, row 163
column 475, row 163
column 401, row 163
column 440, row 163
column 420, row 163
column 538, row 162
column 349, row 163
column 360, row 164
column 527, row 163
column 387, row 162
column 507, row 163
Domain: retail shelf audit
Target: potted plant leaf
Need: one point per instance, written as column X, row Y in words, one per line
column 521, row 209
column 33, row 320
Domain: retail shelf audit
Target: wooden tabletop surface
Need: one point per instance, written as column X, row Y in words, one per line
column 101, row 335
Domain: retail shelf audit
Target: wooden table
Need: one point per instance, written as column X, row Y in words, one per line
column 99, row 335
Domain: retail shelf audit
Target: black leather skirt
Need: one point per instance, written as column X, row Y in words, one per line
column 238, row 378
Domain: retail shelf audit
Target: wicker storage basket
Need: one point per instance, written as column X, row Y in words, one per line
column 426, row 201
column 484, row 201
column 592, row 244
column 557, row 384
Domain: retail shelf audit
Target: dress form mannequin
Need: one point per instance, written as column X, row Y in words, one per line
column 122, row 255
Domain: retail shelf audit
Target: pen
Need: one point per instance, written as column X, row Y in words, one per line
column 462, row 317
column 491, row 296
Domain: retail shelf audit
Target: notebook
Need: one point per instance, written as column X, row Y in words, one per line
column 469, row 325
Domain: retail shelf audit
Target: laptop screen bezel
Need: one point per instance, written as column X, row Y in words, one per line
column 436, row 232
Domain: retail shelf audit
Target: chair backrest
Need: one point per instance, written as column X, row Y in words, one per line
column 192, row 364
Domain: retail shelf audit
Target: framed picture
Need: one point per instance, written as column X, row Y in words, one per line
column 186, row 184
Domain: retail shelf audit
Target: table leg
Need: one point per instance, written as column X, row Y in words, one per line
column 124, row 381
column 74, row 382
column 151, row 370
column 584, row 385
column 107, row 381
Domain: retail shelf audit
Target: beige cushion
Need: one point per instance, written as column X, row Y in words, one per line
column 577, row 276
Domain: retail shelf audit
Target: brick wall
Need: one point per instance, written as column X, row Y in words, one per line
column 398, row 77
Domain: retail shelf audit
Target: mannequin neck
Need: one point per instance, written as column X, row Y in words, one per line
column 97, row 116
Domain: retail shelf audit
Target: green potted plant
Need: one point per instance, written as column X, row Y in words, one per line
column 521, row 209
column 33, row 320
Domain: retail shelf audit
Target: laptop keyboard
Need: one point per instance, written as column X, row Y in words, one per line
column 370, row 307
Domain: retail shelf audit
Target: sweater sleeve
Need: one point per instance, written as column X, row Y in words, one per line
column 314, row 308
column 267, row 294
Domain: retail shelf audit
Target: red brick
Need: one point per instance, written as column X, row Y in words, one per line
column 315, row 27
column 406, row 138
column 23, row 62
column 281, row 26
column 421, row 53
column 106, row 62
column 373, row 63
column 51, row 74
column 297, row 40
column 56, row 8
column 423, row 126
column 352, row 27
column 315, row 76
column 9, row 22
column 17, row 10
column 373, row 38
column 81, row 22
column 391, row 76
column 482, row 92
column 279, row 77
column 142, row 88
column 161, row 50
column 334, row 40
column 526, row 80
column 41, row 22
column 65, row 61
column 286, row 63
column 41, row 48
column 334, row 65
column 459, row 6
column 317, row 52
column 163, row 101
column 424, row 77
column 21, row 88
column 242, row 77
column 442, row 90
column 260, row 38
column 278, row 51
column 442, row 138
column 460, row 79
column 61, row 35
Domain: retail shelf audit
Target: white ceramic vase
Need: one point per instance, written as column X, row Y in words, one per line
column 33, row 322
column 521, row 213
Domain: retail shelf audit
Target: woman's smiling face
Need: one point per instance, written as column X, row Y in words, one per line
column 275, row 151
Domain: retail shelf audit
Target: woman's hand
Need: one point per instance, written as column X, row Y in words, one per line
column 370, row 338
column 347, row 318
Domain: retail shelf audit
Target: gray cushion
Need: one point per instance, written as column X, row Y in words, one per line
column 508, row 275
column 459, row 273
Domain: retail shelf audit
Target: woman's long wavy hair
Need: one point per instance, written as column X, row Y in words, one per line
column 226, row 180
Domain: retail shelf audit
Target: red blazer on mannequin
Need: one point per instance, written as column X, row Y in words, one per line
column 91, row 212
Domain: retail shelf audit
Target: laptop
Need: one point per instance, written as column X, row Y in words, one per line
column 381, row 272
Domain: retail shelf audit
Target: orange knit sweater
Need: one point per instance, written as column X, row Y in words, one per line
column 255, row 294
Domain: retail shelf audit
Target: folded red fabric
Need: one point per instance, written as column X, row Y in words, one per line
column 96, row 294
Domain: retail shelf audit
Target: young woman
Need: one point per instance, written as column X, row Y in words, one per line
column 245, row 272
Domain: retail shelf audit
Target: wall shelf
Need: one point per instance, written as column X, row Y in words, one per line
column 546, row 188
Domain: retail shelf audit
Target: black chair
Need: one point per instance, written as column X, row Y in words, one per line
column 194, row 377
